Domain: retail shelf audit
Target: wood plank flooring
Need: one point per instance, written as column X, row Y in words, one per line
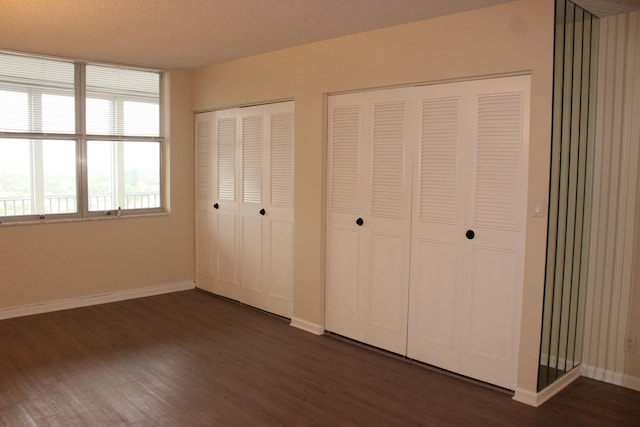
column 192, row 359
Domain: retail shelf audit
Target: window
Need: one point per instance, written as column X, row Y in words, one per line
column 78, row 140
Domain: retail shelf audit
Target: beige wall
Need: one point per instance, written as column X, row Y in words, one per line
column 613, row 289
column 511, row 38
column 56, row 261
column 632, row 368
column 632, row 21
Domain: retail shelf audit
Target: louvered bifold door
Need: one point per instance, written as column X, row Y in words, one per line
column 494, row 258
column 266, row 207
column 244, row 205
column 253, row 238
column 385, row 243
column 437, row 230
column 278, row 199
column 368, row 223
column 204, row 200
column 225, row 232
column 342, row 308
column 469, row 217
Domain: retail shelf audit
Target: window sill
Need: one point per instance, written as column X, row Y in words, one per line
column 91, row 218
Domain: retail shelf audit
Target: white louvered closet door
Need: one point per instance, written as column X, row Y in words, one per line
column 225, row 225
column 469, row 218
column 204, row 200
column 279, row 210
column 369, row 214
column 244, row 212
column 438, row 229
column 253, row 239
column 266, row 207
column 494, row 259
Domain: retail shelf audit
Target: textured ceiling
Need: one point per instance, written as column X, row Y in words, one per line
column 196, row 33
column 603, row 8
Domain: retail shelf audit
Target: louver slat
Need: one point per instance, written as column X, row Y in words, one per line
column 282, row 160
column 227, row 159
column 438, row 151
column 345, row 153
column 252, row 136
column 498, row 159
column 388, row 185
column 203, row 161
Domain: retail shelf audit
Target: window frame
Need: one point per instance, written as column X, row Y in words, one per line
column 82, row 138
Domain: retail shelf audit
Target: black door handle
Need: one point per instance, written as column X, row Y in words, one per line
column 262, row 212
column 216, row 205
column 470, row 234
column 359, row 221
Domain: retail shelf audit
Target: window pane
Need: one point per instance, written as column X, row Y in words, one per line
column 46, row 89
column 14, row 111
column 58, row 114
column 100, row 175
column 123, row 175
column 37, row 177
column 100, row 116
column 141, row 118
column 15, row 181
column 59, row 176
column 134, row 96
column 142, row 175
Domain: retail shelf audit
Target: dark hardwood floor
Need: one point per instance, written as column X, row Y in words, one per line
column 189, row 358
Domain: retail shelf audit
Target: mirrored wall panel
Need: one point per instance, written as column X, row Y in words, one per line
column 570, row 191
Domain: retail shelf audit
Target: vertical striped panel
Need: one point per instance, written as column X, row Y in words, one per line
column 345, row 153
column 570, row 189
column 498, row 153
column 615, row 214
column 439, row 160
column 227, row 159
column 388, row 183
column 282, row 160
column 252, row 136
column 203, row 161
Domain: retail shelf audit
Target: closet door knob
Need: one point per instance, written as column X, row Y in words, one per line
column 216, row 205
column 359, row 221
column 470, row 234
column 262, row 212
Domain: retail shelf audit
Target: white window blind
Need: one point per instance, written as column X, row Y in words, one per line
column 51, row 147
column 121, row 101
column 36, row 95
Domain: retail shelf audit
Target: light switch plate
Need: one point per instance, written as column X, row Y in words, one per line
column 538, row 208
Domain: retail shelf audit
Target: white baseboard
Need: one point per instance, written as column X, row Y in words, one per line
column 602, row 374
column 537, row 399
column 611, row 377
column 527, row 397
column 307, row 326
column 66, row 304
column 631, row 382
